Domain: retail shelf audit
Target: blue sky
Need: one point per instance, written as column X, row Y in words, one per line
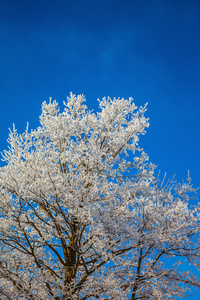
column 148, row 50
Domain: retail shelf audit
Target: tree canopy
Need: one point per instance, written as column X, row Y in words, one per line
column 83, row 215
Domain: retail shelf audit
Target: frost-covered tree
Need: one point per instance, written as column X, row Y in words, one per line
column 83, row 216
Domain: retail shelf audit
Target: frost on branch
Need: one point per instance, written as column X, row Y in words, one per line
column 82, row 215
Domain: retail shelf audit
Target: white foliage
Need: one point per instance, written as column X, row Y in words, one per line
column 82, row 215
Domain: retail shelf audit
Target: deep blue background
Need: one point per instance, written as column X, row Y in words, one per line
column 148, row 50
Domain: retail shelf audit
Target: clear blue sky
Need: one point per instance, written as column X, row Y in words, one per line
column 148, row 50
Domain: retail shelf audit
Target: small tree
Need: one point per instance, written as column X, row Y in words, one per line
column 82, row 215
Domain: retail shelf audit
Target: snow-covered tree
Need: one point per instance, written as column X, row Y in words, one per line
column 83, row 216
